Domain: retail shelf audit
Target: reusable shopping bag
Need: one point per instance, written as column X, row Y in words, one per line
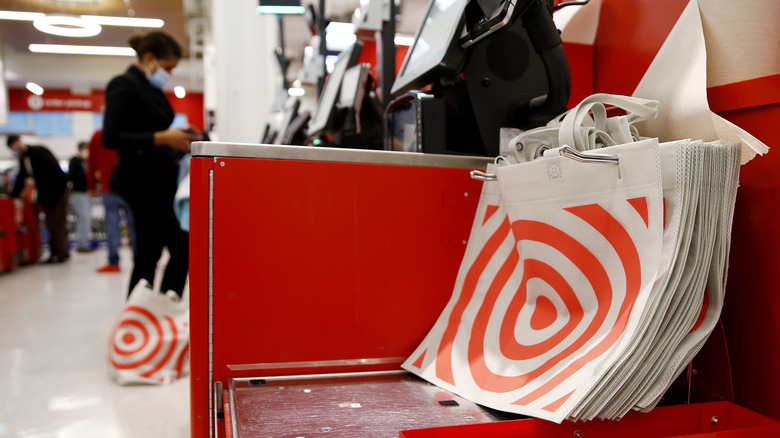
column 608, row 276
column 502, row 339
column 149, row 342
column 544, row 293
column 691, row 226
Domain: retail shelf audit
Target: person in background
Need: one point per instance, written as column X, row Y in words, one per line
column 101, row 165
column 39, row 170
column 137, row 122
column 79, row 198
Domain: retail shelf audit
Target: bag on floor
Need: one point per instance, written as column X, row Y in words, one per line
column 149, row 342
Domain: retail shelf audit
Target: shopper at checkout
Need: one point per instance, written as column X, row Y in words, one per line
column 80, row 200
column 137, row 122
column 101, row 164
column 41, row 179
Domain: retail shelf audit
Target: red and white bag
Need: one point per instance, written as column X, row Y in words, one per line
column 586, row 269
column 149, row 342
column 516, row 335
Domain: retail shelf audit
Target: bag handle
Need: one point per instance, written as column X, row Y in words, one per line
column 525, row 149
column 569, row 132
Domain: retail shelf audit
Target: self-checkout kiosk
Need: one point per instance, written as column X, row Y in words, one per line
column 493, row 64
column 316, row 271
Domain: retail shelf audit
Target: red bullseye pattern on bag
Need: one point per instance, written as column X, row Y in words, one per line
column 150, row 340
column 551, row 283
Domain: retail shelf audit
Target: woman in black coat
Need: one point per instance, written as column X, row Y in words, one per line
column 137, row 122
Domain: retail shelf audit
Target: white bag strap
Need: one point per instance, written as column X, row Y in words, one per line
column 531, row 144
column 619, row 129
column 637, row 109
column 578, row 129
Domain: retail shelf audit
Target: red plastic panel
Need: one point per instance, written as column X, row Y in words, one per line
column 745, row 94
column 629, row 36
column 721, row 419
column 580, row 57
column 752, row 302
column 318, row 261
column 33, row 230
column 9, row 245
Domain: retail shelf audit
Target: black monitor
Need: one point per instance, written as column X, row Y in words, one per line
column 323, row 115
column 436, row 51
column 484, row 17
column 296, row 132
column 289, row 113
column 353, row 89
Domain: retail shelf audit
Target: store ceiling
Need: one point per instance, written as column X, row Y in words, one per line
column 16, row 36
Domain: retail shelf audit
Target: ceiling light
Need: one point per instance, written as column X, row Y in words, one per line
column 280, row 7
column 99, row 19
column 296, row 92
column 67, row 26
column 282, row 10
column 339, row 36
column 81, row 50
column 179, row 91
column 22, row 16
column 34, row 88
column 403, row 40
column 124, row 21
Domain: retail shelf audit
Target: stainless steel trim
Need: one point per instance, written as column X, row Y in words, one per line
column 217, row 389
column 212, row 418
column 320, row 376
column 233, row 417
column 306, row 153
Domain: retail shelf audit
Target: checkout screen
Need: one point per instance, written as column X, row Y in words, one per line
column 435, row 37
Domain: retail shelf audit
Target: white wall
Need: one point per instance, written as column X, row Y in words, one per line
column 244, row 75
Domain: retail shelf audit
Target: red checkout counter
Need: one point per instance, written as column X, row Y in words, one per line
column 20, row 237
column 315, row 272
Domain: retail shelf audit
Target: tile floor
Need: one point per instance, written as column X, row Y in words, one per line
column 54, row 327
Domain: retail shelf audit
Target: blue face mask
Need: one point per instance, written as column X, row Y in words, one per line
column 159, row 78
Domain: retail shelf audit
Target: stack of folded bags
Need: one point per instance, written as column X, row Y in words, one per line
column 595, row 269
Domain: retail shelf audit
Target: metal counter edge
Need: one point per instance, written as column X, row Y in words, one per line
column 306, row 153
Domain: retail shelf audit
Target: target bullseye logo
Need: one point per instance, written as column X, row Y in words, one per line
column 133, row 337
column 550, row 299
column 134, row 346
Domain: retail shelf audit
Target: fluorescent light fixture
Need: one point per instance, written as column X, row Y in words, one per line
column 401, row 40
column 339, row 36
column 34, row 88
column 21, row 16
column 179, row 91
column 296, row 92
column 124, row 21
column 283, row 10
column 330, row 62
column 99, row 19
column 67, row 26
column 81, row 50
column 280, row 7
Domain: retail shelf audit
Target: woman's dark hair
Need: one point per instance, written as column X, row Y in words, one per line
column 158, row 43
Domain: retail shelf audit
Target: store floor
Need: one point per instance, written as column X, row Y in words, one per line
column 54, row 327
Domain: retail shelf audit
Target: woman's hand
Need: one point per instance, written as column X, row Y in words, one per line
column 178, row 139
